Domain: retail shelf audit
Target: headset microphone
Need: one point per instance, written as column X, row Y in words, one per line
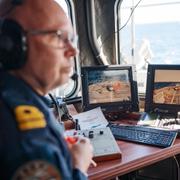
column 17, row 2
column 74, row 77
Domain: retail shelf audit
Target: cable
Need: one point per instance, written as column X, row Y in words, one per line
column 178, row 167
column 56, row 107
column 65, row 115
column 129, row 17
column 123, row 25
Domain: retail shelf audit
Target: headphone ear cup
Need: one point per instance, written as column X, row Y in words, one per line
column 12, row 45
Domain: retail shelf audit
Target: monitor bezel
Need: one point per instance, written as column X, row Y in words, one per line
column 132, row 106
column 150, row 106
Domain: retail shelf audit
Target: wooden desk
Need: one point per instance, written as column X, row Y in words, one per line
column 134, row 157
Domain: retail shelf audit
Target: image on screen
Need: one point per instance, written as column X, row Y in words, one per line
column 166, row 87
column 108, row 86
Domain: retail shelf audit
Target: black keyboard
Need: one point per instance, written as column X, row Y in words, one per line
column 142, row 134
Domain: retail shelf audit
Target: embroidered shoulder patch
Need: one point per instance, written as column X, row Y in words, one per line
column 40, row 170
column 29, row 117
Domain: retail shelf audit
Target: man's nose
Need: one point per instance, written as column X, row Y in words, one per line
column 71, row 51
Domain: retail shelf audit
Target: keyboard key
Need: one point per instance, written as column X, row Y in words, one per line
column 142, row 134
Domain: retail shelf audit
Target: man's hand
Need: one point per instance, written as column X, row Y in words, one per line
column 82, row 153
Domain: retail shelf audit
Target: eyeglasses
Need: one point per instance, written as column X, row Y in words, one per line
column 58, row 39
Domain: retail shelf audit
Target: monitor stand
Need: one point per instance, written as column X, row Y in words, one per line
column 119, row 116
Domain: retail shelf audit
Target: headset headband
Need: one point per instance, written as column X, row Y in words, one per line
column 17, row 2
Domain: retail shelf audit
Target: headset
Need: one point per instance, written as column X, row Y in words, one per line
column 13, row 46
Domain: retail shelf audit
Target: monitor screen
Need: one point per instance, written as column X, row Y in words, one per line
column 163, row 89
column 110, row 87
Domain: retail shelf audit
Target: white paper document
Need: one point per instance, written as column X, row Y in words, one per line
column 91, row 119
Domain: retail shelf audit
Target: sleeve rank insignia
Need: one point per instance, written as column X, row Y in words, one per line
column 29, row 117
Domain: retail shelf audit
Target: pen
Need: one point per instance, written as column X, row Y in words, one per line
column 93, row 163
column 70, row 139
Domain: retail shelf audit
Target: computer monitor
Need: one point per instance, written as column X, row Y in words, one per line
column 113, row 88
column 163, row 89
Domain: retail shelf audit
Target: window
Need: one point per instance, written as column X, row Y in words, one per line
column 149, row 34
column 70, row 88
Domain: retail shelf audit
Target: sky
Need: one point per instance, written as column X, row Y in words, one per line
column 163, row 13
column 152, row 14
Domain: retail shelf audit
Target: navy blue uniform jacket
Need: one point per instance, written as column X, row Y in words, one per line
column 31, row 143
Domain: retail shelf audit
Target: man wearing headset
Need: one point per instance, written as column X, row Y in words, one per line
column 37, row 45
